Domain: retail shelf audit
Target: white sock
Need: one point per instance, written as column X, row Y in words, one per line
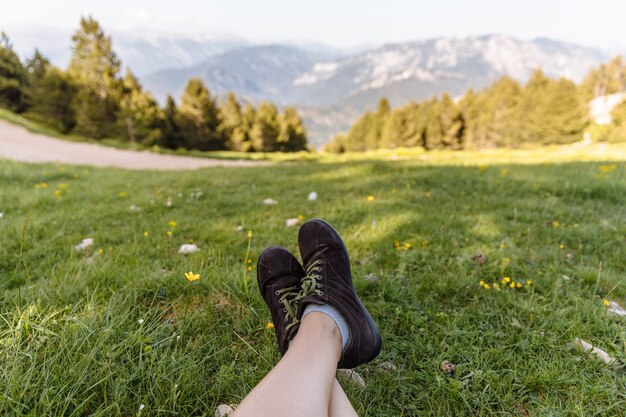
column 334, row 314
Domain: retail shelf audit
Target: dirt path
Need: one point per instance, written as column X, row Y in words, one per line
column 19, row 144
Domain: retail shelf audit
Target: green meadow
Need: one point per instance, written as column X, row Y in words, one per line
column 116, row 329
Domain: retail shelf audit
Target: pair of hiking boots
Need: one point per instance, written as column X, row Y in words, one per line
column 288, row 288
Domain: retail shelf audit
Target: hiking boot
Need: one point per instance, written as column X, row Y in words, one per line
column 279, row 274
column 328, row 280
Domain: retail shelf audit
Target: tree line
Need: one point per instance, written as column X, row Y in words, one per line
column 505, row 114
column 92, row 99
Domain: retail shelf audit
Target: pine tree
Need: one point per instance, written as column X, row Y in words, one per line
column 293, row 135
column 565, row 114
column 199, row 118
column 172, row 135
column 49, row 94
column 140, row 119
column 266, row 128
column 231, row 119
column 94, row 67
column 241, row 136
column 12, row 76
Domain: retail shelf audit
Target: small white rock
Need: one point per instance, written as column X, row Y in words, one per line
column 351, row 376
column 387, row 367
column 188, row 248
column 371, row 277
column 84, row 244
column 134, row 209
column 312, row 196
column 589, row 348
column 224, row 410
column 617, row 309
column 292, row 222
column 270, row 201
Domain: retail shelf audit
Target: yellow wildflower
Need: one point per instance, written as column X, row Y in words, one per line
column 122, row 194
column 300, row 217
column 171, row 223
column 486, row 286
column 519, row 285
column 407, row 245
column 512, row 285
column 168, row 233
column 561, row 246
column 605, row 169
column 426, row 194
column 482, row 282
column 249, row 268
column 100, row 250
column 191, row 277
column 58, row 193
column 146, row 234
column 506, row 280
column 607, row 303
column 529, row 282
column 249, row 233
column 249, row 261
column 393, row 190
column 370, row 198
column 504, row 172
column 482, row 167
column 269, row 325
column 556, row 224
column 41, row 185
column 63, row 186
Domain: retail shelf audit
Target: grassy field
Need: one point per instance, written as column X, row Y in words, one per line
column 105, row 330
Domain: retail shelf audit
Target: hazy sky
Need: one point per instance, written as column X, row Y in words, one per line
column 340, row 23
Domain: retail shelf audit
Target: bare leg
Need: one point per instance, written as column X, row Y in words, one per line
column 302, row 382
column 340, row 404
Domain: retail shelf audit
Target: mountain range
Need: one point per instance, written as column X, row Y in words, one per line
column 331, row 88
column 331, row 93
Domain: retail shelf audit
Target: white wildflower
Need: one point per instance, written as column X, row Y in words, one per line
column 188, row 248
column 292, row 222
column 312, row 196
column 84, row 244
column 270, row 201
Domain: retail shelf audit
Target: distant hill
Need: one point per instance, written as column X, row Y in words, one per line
column 331, row 92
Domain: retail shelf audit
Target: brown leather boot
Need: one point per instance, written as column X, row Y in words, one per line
column 329, row 280
column 279, row 274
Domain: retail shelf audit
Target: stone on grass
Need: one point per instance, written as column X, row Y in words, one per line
column 448, row 368
column 371, row 277
column 270, row 201
column 351, row 376
column 387, row 367
column 292, row 222
column 616, row 309
column 188, row 248
column 312, row 196
column 589, row 348
column 1, row 214
column 84, row 244
column 480, row 258
column 224, row 410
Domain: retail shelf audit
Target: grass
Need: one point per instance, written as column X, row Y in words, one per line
column 102, row 331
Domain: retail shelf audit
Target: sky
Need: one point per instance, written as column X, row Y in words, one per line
column 338, row 23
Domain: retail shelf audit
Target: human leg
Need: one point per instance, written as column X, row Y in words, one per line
column 302, row 383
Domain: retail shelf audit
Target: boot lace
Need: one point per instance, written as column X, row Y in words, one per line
column 291, row 297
